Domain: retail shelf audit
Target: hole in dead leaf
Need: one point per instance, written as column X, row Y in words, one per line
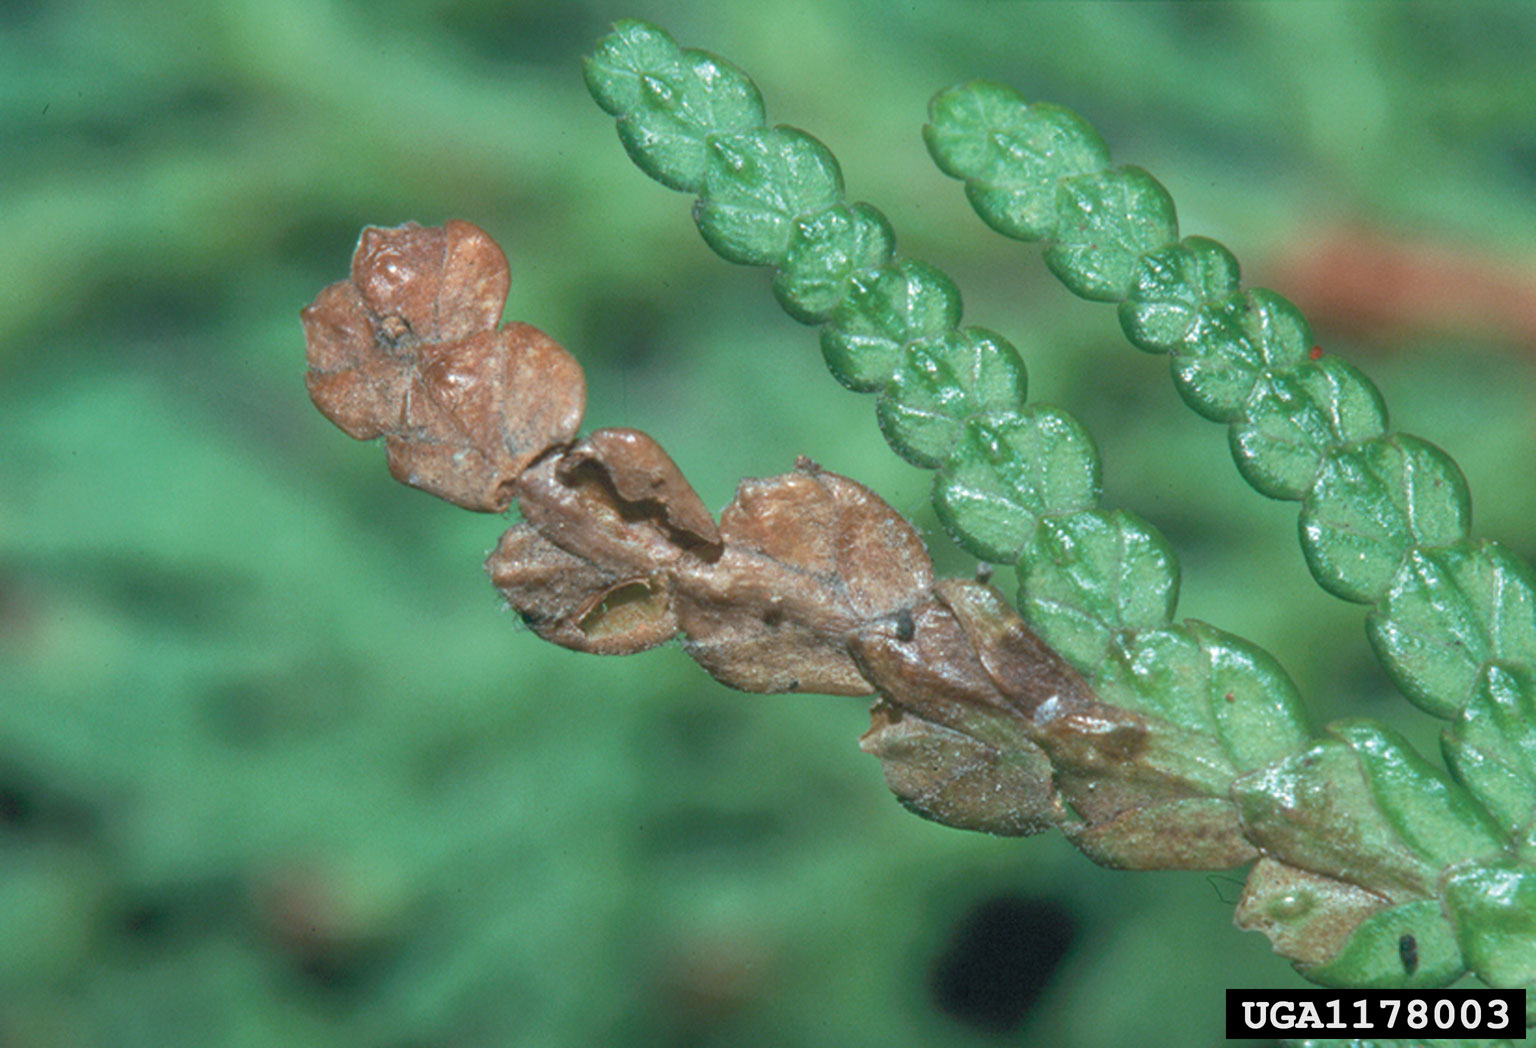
column 1001, row 957
column 623, row 608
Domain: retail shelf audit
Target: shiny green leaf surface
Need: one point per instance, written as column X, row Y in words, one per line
column 1013, row 155
column 1447, row 613
column 757, row 185
column 1219, row 362
column 1492, row 747
column 941, row 383
column 825, row 252
column 1493, row 908
column 1374, row 957
column 1317, row 809
column 882, row 314
column 1106, row 220
column 668, row 100
column 1374, row 503
column 1005, row 474
column 1435, row 817
column 1209, row 682
column 1292, row 421
column 1169, row 286
column 1089, row 575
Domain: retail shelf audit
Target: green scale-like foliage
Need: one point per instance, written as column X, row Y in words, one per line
column 1385, row 521
column 1015, row 483
column 1385, row 515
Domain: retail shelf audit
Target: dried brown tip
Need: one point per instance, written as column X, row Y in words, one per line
column 408, row 349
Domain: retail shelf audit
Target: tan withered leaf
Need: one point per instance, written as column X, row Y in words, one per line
column 618, row 500
column 809, row 582
column 577, row 604
column 644, row 476
column 809, row 557
column 408, row 349
column 955, row 779
column 592, row 567
column 953, row 747
column 1307, row 916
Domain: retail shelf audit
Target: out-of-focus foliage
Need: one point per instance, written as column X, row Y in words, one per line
column 274, row 770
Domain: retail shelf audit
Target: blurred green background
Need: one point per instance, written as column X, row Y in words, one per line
column 274, row 767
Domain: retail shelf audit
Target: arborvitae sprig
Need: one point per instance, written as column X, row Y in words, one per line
column 1015, row 483
column 1385, row 515
column 1184, row 746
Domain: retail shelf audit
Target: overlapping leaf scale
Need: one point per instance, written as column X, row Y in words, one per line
column 1088, row 575
column 1378, row 509
column 668, row 101
column 1492, row 748
column 1447, row 614
column 1210, row 683
column 1291, row 421
column 885, row 311
column 1365, row 809
column 942, row 382
column 1493, row 909
column 1012, row 155
column 1105, row 221
column 757, row 185
column 1005, row 474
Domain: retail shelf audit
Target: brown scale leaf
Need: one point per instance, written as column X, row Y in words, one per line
column 408, row 349
column 576, row 501
column 1189, row 833
column 641, row 474
column 809, row 558
column 591, row 569
column 576, row 604
column 955, row 779
column 953, row 747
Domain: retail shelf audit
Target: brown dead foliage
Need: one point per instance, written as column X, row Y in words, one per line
column 809, row 582
column 408, row 349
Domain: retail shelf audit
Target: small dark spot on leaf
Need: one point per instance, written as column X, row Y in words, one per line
column 906, row 629
column 1408, row 951
column 1229, row 697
